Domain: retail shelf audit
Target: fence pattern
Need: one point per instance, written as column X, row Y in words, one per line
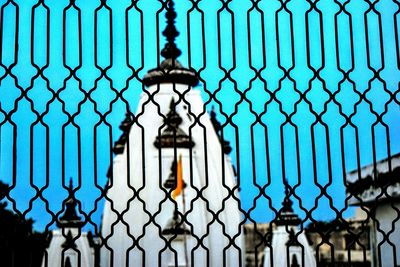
column 301, row 97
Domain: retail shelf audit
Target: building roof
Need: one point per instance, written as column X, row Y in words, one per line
column 380, row 166
column 375, row 182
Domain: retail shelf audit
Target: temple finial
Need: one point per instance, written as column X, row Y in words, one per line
column 286, row 184
column 173, row 136
column 170, row 70
column 70, row 218
column 71, row 186
column 287, row 204
column 173, row 119
column 286, row 214
column 170, row 50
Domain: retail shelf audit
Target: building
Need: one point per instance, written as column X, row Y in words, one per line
column 332, row 243
column 257, row 236
column 376, row 188
column 342, row 242
column 69, row 245
column 171, row 143
column 280, row 242
column 289, row 245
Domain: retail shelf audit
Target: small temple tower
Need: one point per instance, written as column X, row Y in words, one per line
column 289, row 246
column 147, row 221
column 178, row 235
column 69, row 246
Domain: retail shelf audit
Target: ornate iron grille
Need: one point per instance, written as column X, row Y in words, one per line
column 230, row 133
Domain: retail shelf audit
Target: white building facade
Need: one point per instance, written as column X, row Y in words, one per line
column 376, row 188
column 289, row 246
column 69, row 246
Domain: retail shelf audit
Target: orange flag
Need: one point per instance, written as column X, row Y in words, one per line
column 179, row 179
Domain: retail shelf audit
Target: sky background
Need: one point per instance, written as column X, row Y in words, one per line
column 322, row 82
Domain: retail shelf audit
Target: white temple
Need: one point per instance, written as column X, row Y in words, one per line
column 142, row 224
column 69, row 246
column 289, row 246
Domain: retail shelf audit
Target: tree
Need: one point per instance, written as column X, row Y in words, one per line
column 20, row 246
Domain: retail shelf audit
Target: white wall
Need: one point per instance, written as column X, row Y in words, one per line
column 82, row 255
column 388, row 225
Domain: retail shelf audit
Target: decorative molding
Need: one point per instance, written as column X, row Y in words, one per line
column 173, row 136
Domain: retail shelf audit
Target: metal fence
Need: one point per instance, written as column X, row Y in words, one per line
column 199, row 133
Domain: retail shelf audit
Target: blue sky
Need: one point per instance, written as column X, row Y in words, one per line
column 316, row 58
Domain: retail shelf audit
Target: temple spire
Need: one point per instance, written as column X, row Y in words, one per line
column 170, row 70
column 171, row 182
column 286, row 214
column 170, row 50
column 287, row 204
column 70, row 218
column 213, row 117
column 218, row 130
column 173, row 136
column 125, row 127
column 175, row 226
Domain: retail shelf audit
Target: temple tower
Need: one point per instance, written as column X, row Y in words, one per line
column 69, row 246
column 289, row 245
column 147, row 221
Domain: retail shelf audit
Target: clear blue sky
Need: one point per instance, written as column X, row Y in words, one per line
column 254, row 50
